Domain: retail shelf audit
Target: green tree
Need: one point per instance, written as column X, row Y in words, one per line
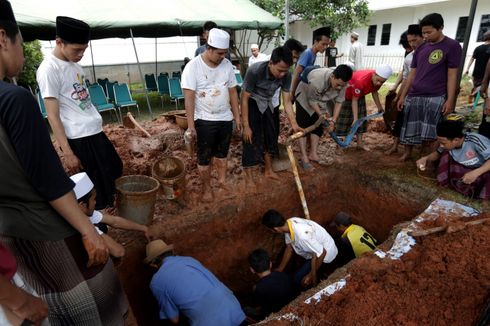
column 33, row 58
column 341, row 15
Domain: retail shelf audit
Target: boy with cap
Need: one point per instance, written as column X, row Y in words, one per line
column 75, row 121
column 321, row 39
column 256, row 56
column 355, row 240
column 211, row 104
column 259, row 112
column 307, row 239
column 363, row 82
column 182, row 285
column 42, row 224
column 86, row 193
column 431, row 85
column 355, row 53
column 464, row 159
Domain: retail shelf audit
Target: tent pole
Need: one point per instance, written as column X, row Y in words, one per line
column 467, row 34
column 93, row 66
column 156, row 58
column 286, row 20
column 141, row 74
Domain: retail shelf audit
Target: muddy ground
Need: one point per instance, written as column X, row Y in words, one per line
column 442, row 281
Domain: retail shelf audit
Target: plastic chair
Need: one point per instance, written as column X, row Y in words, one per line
column 176, row 74
column 164, row 74
column 110, row 91
column 163, row 87
column 151, row 84
column 98, row 99
column 42, row 108
column 103, row 83
column 123, row 97
column 176, row 93
column 87, row 82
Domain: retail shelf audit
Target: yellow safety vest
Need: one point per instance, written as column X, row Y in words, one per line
column 360, row 240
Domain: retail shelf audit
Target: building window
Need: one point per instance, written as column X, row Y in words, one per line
column 484, row 26
column 371, row 35
column 461, row 29
column 385, row 34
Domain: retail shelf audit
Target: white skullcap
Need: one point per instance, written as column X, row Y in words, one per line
column 218, row 39
column 83, row 184
column 351, row 65
column 254, row 46
column 354, row 34
column 384, row 71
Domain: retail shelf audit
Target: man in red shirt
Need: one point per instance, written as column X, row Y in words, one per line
column 363, row 82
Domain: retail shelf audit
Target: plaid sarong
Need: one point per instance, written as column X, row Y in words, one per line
column 421, row 115
column 450, row 172
column 75, row 294
column 346, row 118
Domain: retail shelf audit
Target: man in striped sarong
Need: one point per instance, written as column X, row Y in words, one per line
column 58, row 251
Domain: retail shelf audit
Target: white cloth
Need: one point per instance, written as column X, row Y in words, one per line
column 65, row 81
column 355, row 55
column 211, row 87
column 310, row 238
column 407, row 62
column 96, row 218
column 259, row 58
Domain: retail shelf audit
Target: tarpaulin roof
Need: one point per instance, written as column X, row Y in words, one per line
column 146, row 18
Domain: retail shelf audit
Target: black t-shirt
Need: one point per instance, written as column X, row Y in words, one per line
column 332, row 56
column 481, row 56
column 32, row 173
column 274, row 291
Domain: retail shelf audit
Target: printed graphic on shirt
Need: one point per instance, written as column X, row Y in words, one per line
column 81, row 94
column 436, row 56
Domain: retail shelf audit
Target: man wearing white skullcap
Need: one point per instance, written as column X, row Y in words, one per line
column 363, row 82
column 211, row 103
column 256, row 56
column 355, row 53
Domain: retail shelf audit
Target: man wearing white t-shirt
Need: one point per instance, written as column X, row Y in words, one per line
column 211, row 104
column 75, row 121
column 307, row 239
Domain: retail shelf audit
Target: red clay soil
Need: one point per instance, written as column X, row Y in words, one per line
column 443, row 280
column 440, row 282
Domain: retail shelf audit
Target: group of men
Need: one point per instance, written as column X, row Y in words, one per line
column 185, row 289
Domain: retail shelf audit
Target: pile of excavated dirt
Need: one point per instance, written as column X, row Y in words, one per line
column 442, row 280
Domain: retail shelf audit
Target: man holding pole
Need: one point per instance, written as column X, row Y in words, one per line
column 307, row 239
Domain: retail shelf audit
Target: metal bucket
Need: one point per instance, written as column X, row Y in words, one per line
column 136, row 197
column 170, row 172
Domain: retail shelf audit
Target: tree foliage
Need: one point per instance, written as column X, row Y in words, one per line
column 33, row 58
column 342, row 16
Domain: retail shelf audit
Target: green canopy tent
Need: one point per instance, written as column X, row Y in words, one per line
column 145, row 18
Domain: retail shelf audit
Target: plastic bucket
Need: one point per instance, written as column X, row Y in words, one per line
column 136, row 197
column 170, row 172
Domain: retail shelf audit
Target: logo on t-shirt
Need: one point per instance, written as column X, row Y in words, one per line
column 436, row 56
column 470, row 154
column 357, row 91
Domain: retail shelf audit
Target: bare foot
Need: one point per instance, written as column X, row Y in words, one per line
column 207, row 195
column 392, row 150
column 405, row 157
column 314, row 158
column 271, row 175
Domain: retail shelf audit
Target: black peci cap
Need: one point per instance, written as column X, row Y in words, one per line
column 414, row 29
column 6, row 12
column 72, row 30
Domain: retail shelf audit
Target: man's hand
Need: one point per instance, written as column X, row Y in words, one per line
column 247, row 134
column 421, row 163
column 400, row 103
column 447, row 108
column 487, row 107
column 470, row 177
column 192, row 131
column 72, row 163
column 33, row 309
column 308, row 280
column 238, row 123
column 297, row 128
column 96, row 249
